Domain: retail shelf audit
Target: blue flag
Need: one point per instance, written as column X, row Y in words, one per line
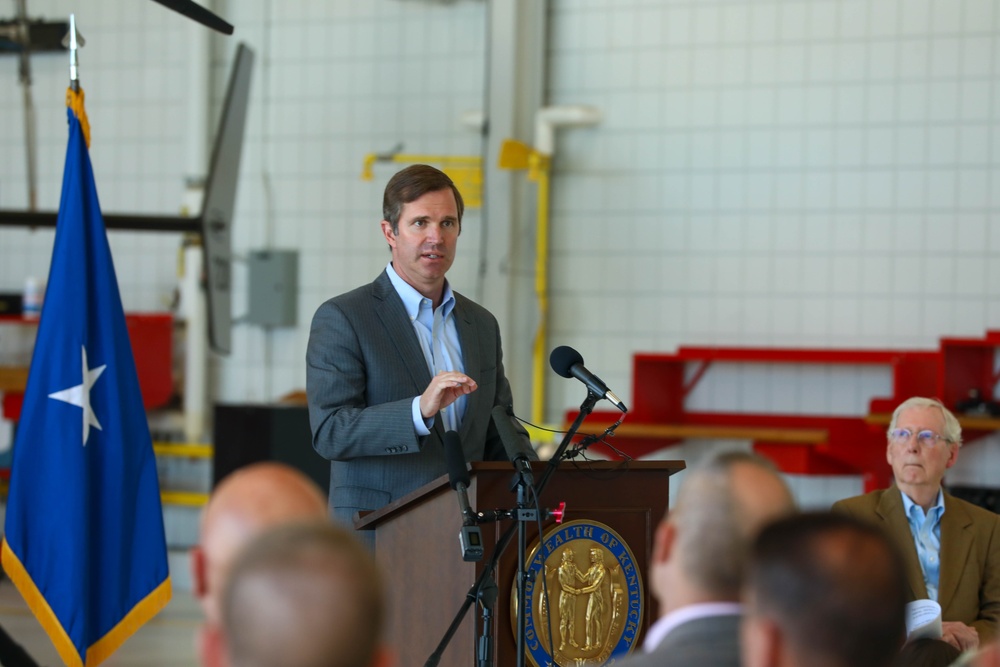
column 84, row 540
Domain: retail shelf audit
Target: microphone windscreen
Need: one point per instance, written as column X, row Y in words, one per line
column 454, row 460
column 563, row 358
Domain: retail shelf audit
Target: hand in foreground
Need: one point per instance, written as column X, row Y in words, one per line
column 444, row 388
column 960, row 635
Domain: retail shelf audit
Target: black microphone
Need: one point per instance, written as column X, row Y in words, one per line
column 513, row 443
column 469, row 537
column 568, row 363
column 458, row 474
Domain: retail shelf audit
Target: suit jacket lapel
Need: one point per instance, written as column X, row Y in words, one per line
column 956, row 545
column 890, row 509
column 399, row 330
column 468, row 337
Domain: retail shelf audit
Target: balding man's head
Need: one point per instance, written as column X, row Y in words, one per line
column 304, row 595
column 702, row 543
column 245, row 503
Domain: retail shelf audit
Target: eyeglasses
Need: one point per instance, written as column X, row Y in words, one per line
column 926, row 438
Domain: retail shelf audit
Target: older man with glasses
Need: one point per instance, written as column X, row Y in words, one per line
column 951, row 547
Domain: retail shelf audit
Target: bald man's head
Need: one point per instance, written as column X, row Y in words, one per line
column 243, row 505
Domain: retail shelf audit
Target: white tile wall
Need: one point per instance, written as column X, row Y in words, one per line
column 825, row 173
column 800, row 173
column 333, row 81
column 826, row 177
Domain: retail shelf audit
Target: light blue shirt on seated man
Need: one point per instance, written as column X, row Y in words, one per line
column 438, row 336
column 926, row 531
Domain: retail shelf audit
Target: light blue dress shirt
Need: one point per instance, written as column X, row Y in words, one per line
column 438, row 336
column 926, row 531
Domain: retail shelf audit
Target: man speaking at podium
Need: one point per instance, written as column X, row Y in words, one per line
column 393, row 365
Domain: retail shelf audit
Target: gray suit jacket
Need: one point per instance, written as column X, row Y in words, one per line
column 713, row 641
column 969, row 585
column 364, row 367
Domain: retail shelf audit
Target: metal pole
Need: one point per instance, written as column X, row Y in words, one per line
column 74, row 65
column 24, row 72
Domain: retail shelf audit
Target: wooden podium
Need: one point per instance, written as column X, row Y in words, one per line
column 417, row 547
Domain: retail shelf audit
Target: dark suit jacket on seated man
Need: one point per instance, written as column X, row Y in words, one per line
column 393, row 365
column 951, row 547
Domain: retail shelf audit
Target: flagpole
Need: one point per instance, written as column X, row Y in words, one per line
column 83, row 480
column 74, row 96
column 74, row 64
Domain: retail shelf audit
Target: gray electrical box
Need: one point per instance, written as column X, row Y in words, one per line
column 274, row 288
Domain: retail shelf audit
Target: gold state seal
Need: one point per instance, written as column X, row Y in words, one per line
column 585, row 595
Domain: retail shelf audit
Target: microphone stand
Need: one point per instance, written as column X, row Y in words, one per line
column 523, row 511
column 522, row 618
column 585, row 409
column 471, row 596
column 479, row 585
column 487, row 598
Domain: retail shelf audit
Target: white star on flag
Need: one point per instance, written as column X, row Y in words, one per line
column 80, row 396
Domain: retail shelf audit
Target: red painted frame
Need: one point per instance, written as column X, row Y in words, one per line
column 854, row 445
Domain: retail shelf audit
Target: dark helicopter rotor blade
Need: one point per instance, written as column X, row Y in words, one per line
column 198, row 13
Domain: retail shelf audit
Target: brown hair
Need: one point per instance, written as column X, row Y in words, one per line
column 411, row 184
column 833, row 584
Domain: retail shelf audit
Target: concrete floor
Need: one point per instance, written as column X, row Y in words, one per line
column 166, row 641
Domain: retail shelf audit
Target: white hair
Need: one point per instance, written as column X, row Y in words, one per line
column 952, row 429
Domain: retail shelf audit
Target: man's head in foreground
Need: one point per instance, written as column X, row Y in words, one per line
column 823, row 590
column 304, row 594
column 243, row 505
column 701, row 544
